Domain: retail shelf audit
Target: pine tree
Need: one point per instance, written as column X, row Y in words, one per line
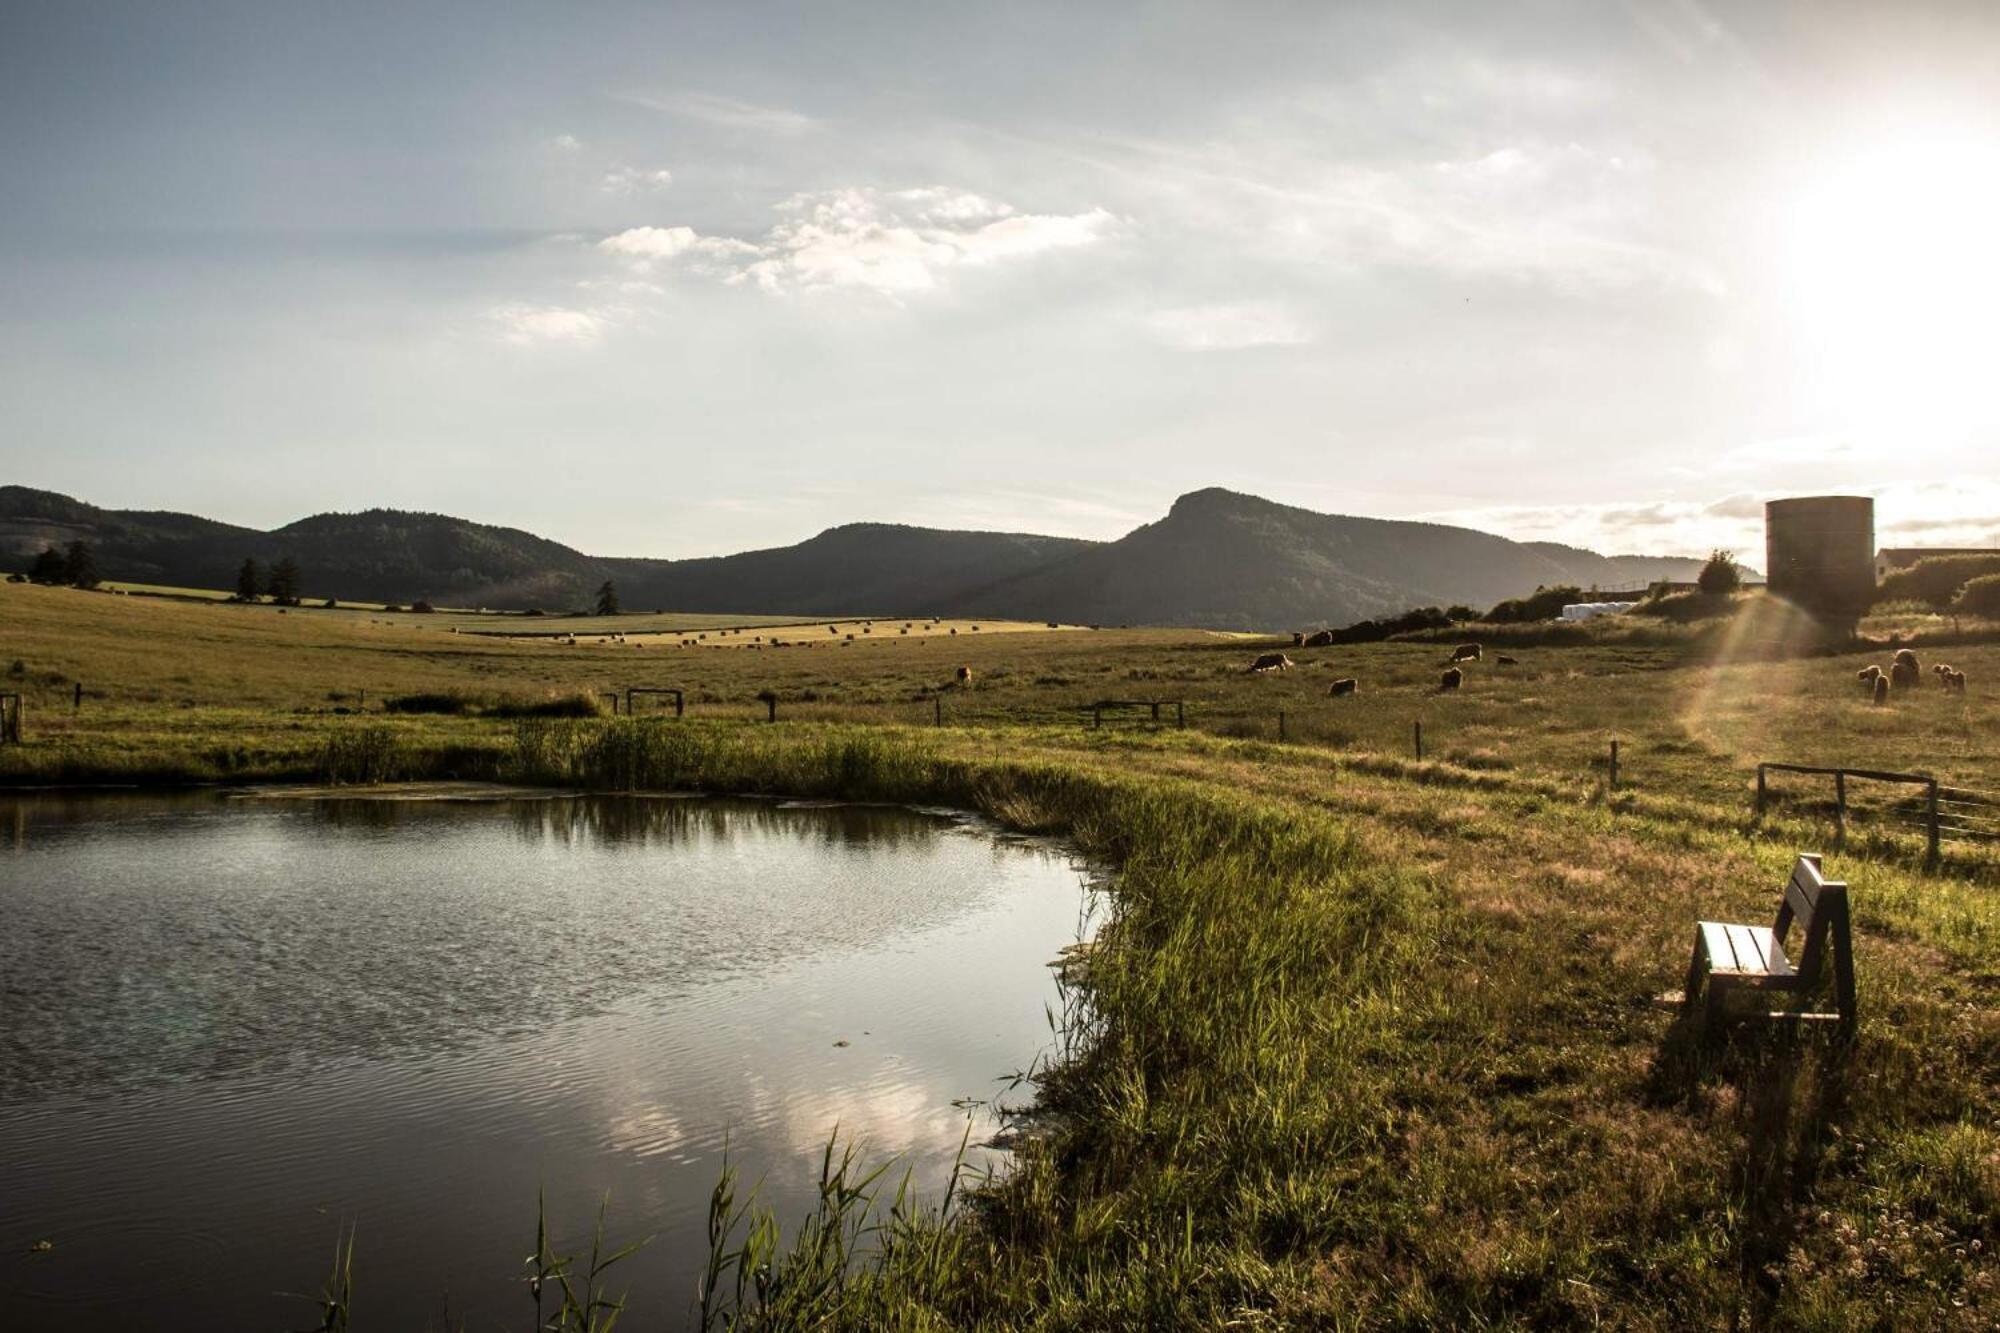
column 80, row 566
column 49, row 567
column 248, row 585
column 607, row 599
column 284, row 584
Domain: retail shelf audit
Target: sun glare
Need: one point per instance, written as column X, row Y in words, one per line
column 1894, row 268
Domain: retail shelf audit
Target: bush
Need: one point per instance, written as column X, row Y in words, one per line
column 1546, row 604
column 1721, row 575
column 1980, row 597
column 1935, row 582
column 1375, row 631
column 422, row 608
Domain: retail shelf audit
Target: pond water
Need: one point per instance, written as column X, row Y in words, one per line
column 230, row 1027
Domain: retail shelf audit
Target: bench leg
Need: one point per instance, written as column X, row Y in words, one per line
column 1697, row 969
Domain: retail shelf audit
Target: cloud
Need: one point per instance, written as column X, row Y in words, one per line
column 889, row 242
column 636, row 180
column 569, row 143
column 728, row 112
column 528, row 325
column 1228, row 327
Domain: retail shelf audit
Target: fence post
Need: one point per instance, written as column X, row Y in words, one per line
column 1180, row 714
column 680, row 703
column 771, row 706
column 1613, row 786
column 79, row 697
column 1420, row 741
column 1840, row 808
column 1760, row 789
column 937, row 706
column 1281, row 724
column 1933, row 823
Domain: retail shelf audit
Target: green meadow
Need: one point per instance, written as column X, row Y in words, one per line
column 1371, row 1040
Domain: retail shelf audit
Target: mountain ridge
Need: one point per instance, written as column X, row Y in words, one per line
column 1217, row 558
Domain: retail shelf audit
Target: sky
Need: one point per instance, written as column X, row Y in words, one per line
column 683, row 279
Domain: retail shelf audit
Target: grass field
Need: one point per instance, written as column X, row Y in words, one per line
column 1372, row 1046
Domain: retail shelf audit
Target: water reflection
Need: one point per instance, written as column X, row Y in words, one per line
column 230, row 1024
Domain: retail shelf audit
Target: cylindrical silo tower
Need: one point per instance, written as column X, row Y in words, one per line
column 1819, row 553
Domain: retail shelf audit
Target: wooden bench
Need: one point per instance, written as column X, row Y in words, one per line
column 1734, row 960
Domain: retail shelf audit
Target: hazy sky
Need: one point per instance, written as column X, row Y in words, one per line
column 673, row 279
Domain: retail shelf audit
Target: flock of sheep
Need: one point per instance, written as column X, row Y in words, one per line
column 1905, row 674
column 1454, row 675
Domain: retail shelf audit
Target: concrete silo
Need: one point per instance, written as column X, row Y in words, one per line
column 1819, row 554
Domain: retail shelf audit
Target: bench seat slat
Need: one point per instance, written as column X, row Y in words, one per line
column 1749, row 952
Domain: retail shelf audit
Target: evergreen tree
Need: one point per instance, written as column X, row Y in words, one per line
column 49, row 567
column 80, row 566
column 607, row 599
column 248, row 585
column 284, row 582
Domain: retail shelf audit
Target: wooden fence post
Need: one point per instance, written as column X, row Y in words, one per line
column 1281, row 724
column 79, row 697
column 937, row 706
column 1613, row 784
column 1840, row 808
column 1760, row 789
column 1932, row 822
column 1420, row 741
column 1180, row 714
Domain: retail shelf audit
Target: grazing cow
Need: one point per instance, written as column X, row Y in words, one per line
column 964, row 677
column 1298, row 638
column 1272, row 662
column 1504, row 660
column 1881, row 691
column 1319, row 639
column 1467, row 652
column 1452, row 679
column 1345, row 685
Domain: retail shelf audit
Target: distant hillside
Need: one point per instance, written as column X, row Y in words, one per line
column 1217, row 559
column 1228, row 560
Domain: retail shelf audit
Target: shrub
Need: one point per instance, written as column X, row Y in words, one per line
column 1546, row 604
column 445, row 701
column 1720, row 575
column 1375, row 631
column 422, row 608
column 1935, row 582
column 330, row 604
column 1980, row 597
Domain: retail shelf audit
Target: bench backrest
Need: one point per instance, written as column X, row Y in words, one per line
column 1814, row 902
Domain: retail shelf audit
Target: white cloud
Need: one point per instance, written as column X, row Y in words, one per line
column 527, row 325
column 890, row 242
column 636, row 180
column 728, row 112
column 1229, row 326
column 569, row 143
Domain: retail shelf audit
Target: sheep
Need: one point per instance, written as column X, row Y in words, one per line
column 1504, row 660
column 1345, row 685
column 1467, row 652
column 1881, row 691
column 1868, row 674
column 1904, row 673
column 1271, row 662
column 1906, row 655
column 1950, row 678
column 1451, row 679
column 965, row 677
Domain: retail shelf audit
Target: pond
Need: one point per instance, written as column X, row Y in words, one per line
column 230, row 1027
